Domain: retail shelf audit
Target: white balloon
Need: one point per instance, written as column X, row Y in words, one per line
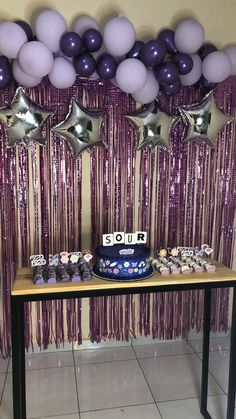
column 119, row 36
column 35, row 59
column 195, row 74
column 12, row 37
column 149, row 91
column 23, row 78
column 63, row 73
column 131, row 75
column 231, row 53
column 216, row 67
column 49, row 27
column 189, row 36
column 82, row 23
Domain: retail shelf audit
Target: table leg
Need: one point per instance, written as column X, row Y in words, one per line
column 232, row 363
column 205, row 354
column 18, row 358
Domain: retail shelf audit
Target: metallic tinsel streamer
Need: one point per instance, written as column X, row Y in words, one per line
column 186, row 196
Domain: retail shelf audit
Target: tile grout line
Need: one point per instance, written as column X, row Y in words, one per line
column 4, row 383
column 210, row 373
column 117, row 407
column 146, row 382
column 76, row 384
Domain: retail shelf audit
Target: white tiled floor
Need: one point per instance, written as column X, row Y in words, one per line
column 151, row 381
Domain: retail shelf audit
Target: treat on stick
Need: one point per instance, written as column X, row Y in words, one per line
column 38, row 276
column 74, row 272
column 62, row 274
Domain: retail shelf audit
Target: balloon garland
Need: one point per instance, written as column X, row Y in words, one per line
column 172, row 60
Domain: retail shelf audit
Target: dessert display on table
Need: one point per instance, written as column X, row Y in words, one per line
column 66, row 267
column 121, row 257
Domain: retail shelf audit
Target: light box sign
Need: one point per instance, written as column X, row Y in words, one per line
column 120, row 237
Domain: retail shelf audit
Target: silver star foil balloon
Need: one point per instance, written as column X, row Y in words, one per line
column 24, row 120
column 154, row 128
column 81, row 128
column 204, row 120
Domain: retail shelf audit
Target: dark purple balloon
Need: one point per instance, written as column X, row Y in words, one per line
column 26, row 27
column 71, row 44
column 5, row 72
column 106, row 66
column 172, row 89
column 168, row 37
column 206, row 49
column 92, row 40
column 135, row 50
column 167, row 73
column 85, row 64
column 206, row 85
column 183, row 62
column 153, row 52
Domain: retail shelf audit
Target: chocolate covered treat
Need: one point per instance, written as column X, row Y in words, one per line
column 50, row 274
column 62, row 275
column 38, row 276
column 73, row 271
column 85, row 271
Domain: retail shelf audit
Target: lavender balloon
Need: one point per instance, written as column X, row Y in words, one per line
column 92, row 40
column 167, row 73
column 5, row 72
column 149, row 91
column 153, row 52
column 119, row 36
column 216, row 67
column 230, row 51
column 131, row 75
column 35, row 59
column 63, row 73
column 85, row 64
column 106, row 66
column 194, row 75
column 183, row 62
column 71, row 44
column 21, row 77
column 189, row 36
column 135, row 50
column 206, row 49
column 168, row 37
column 172, row 89
column 26, row 27
column 49, row 27
column 82, row 23
column 12, row 37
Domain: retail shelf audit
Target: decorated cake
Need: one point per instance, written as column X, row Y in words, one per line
column 123, row 262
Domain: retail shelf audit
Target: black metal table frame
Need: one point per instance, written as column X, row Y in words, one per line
column 18, row 344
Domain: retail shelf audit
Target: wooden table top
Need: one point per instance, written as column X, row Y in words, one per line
column 24, row 284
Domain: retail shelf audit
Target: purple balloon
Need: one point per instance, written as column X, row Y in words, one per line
column 106, row 66
column 172, row 89
column 168, row 37
column 85, row 64
column 5, row 72
column 92, row 40
column 167, row 73
column 135, row 50
column 153, row 52
column 71, row 44
column 206, row 85
column 183, row 62
column 26, row 27
column 206, row 49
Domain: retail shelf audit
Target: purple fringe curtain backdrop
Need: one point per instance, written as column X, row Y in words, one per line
column 185, row 197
